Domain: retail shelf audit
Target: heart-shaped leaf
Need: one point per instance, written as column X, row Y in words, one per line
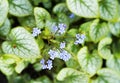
column 84, row 8
column 103, row 48
column 60, row 8
column 114, row 63
column 73, row 75
column 3, row 11
column 41, row 16
column 20, row 8
column 90, row 63
column 115, row 28
column 98, row 30
column 108, row 9
column 7, row 69
column 21, row 43
column 107, row 76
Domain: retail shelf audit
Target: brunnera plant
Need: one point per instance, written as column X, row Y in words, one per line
column 60, row 41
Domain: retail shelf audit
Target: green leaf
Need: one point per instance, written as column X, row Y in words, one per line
column 20, row 8
column 84, row 8
column 3, row 11
column 28, row 21
column 5, row 28
column 107, row 76
column 103, row 48
column 72, row 63
column 116, row 48
column 21, row 43
column 114, row 63
column 115, row 28
column 20, row 66
column 41, row 16
column 109, row 10
column 90, row 63
column 43, row 79
column 98, row 31
column 60, row 8
column 10, row 59
column 72, row 76
column 84, row 28
column 7, row 69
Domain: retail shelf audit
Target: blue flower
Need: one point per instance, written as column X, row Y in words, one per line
column 36, row 31
column 44, row 66
column 55, row 29
column 79, row 39
column 52, row 54
column 71, row 15
column 62, row 28
column 47, row 65
column 64, row 55
column 62, row 45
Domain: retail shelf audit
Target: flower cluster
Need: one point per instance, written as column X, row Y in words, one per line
column 36, row 31
column 60, row 29
column 52, row 54
column 79, row 39
column 62, row 54
column 46, row 65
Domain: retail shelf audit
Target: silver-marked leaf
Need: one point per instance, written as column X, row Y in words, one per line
column 20, row 8
column 41, row 16
column 60, row 8
column 84, row 8
column 7, row 69
column 115, row 28
column 109, row 9
column 114, row 63
column 3, row 11
column 28, row 21
column 21, row 43
column 90, row 63
column 69, row 75
column 98, row 31
column 107, row 76
column 5, row 28
column 20, row 66
column 103, row 48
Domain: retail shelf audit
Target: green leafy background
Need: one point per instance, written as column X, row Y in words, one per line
column 97, row 60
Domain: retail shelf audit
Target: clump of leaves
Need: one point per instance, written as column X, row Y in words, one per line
column 60, row 41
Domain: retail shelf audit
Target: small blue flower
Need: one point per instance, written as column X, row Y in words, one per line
column 55, row 29
column 71, row 15
column 79, row 39
column 36, row 31
column 78, row 36
column 83, row 36
column 43, row 64
column 62, row 45
column 49, row 64
column 42, row 61
column 62, row 28
column 64, row 55
column 52, row 54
